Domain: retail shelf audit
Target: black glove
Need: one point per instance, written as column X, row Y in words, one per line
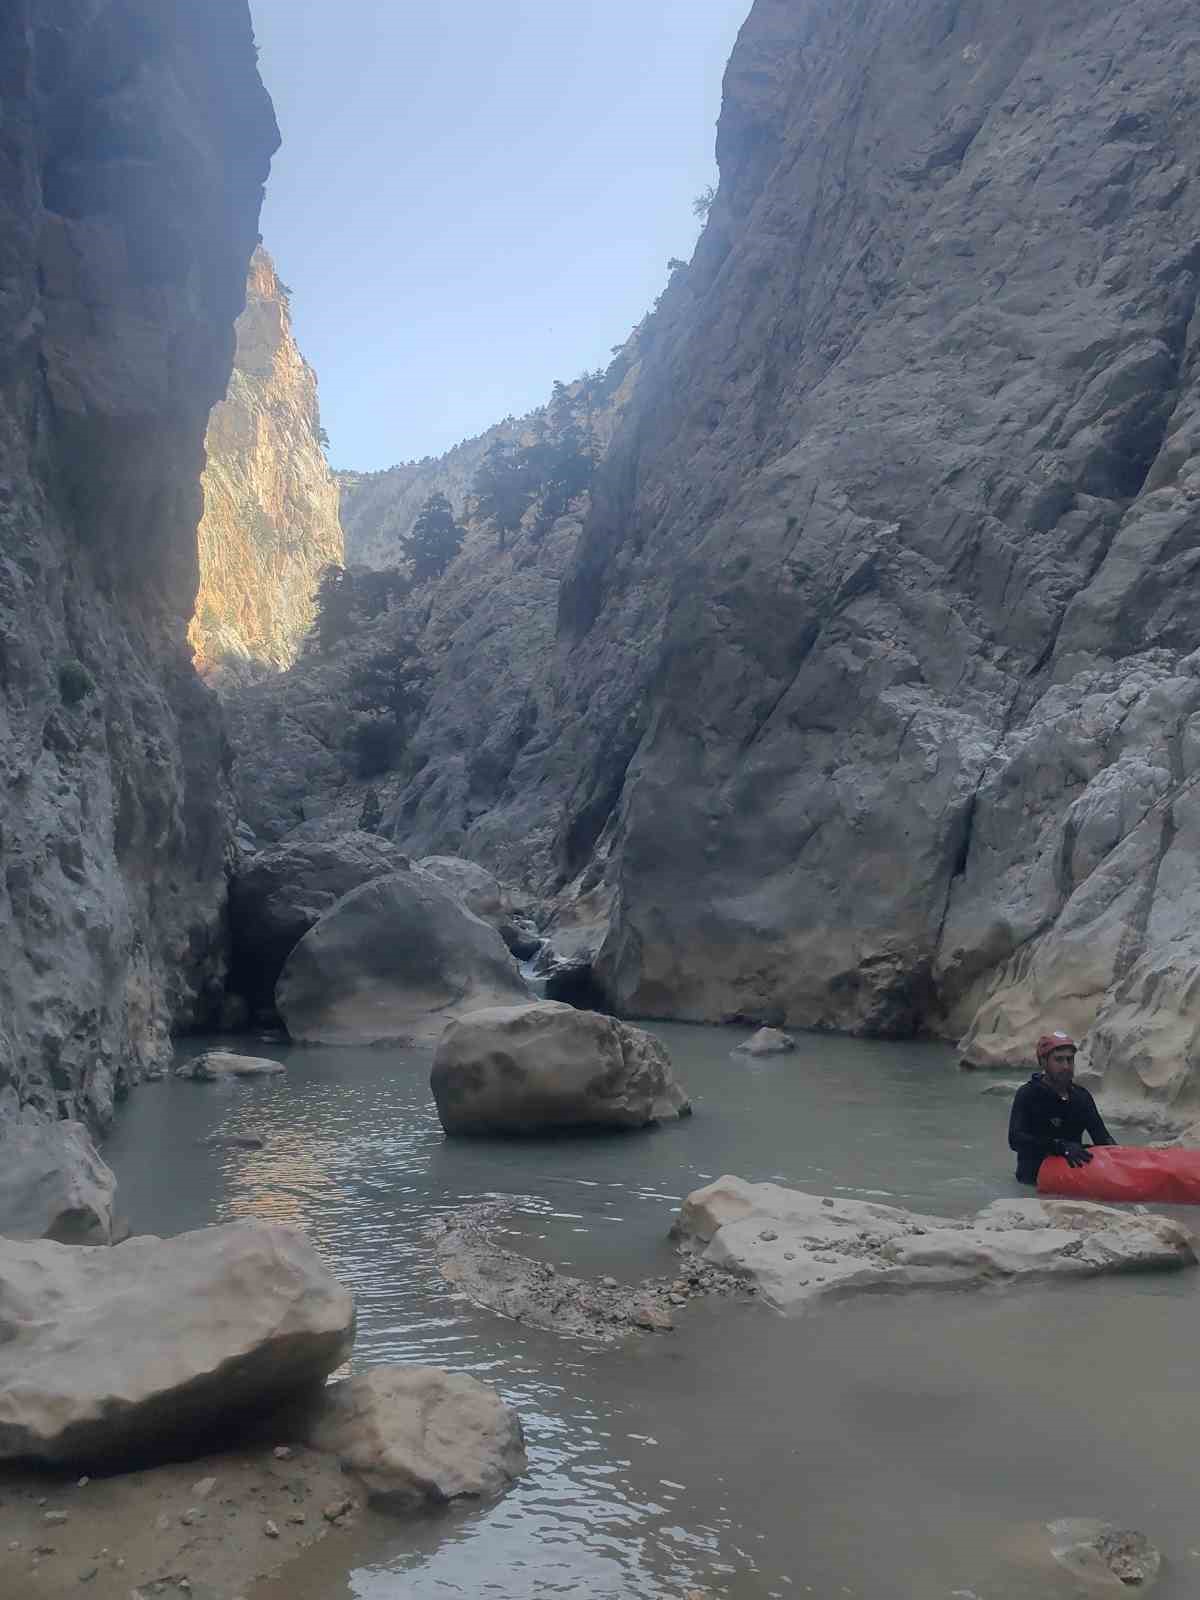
column 1074, row 1154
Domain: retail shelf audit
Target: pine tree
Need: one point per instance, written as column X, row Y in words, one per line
column 435, row 540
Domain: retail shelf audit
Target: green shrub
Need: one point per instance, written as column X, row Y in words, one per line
column 75, row 682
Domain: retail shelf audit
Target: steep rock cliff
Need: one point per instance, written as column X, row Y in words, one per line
column 134, row 142
column 871, row 693
column 270, row 518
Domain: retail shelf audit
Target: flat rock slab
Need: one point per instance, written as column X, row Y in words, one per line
column 544, row 1066
column 215, row 1065
column 417, row 1435
column 796, row 1248
column 116, row 1356
column 54, row 1185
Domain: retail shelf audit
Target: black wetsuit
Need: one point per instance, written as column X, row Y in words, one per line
column 1040, row 1117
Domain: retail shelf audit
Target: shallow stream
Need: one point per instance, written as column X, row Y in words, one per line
column 889, row 1448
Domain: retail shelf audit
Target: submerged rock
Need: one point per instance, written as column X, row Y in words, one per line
column 799, row 1247
column 417, row 1435
column 393, row 961
column 54, row 1184
column 544, row 1066
column 767, row 1042
column 151, row 1347
column 1104, row 1556
column 214, row 1065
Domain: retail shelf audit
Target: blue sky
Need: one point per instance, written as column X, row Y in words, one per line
column 475, row 197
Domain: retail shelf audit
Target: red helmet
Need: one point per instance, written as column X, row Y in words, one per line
column 1054, row 1041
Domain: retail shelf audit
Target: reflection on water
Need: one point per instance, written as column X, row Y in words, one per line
column 885, row 1448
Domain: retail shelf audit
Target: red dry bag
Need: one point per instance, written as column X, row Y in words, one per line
column 1120, row 1172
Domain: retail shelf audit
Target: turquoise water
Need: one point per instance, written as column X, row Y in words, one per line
column 886, row 1448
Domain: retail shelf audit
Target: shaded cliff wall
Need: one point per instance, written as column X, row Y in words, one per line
column 270, row 518
column 134, row 142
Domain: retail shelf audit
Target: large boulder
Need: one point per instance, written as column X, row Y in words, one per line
column 471, row 885
column 797, row 1247
column 154, row 1346
column 395, row 960
column 277, row 895
column 544, row 1066
column 415, row 1435
column 53, row 1184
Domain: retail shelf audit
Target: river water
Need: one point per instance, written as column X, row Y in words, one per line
column 890, row 1448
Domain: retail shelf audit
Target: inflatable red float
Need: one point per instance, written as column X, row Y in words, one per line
column 1120, row 1172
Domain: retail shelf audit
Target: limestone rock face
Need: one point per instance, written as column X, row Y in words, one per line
column 797, row 1247
column 115, row 1355
column 418, row 1435
column 136, row 141
column 470, row 884
column 395, row 959
column 863, row 680
column 277, row 895
column 544, row 1066
column 54, row 1184
column 270, row 518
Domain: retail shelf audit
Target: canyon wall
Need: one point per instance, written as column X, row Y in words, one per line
column 134, row 142
column 864, row 682
column 270, row 518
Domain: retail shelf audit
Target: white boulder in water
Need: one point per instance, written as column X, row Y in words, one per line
column 214, row 1065
column 417, row 1435
column 545, row 1066
column 112, row 1356
column 767, row 1042
column 54, row 1185
column 798, row 1247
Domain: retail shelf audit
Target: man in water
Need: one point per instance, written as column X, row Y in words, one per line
column 1051, row 1113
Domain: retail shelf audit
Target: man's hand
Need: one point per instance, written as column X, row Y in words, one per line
column 1074, row 1154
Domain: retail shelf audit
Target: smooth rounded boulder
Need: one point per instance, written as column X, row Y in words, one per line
column 54, row 1184
column 149, row 1349
column 277, row 895
column 393, row 962
column 545, row 1066
column 471, row 885
column 417, row 1435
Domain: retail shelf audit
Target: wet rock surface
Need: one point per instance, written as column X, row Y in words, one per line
column 600, row 1312
column 545, row 1066
column 796, row 1248
column 767, row 1042
column 214, row 1065
column 1103, row 1556
column 416, row 1436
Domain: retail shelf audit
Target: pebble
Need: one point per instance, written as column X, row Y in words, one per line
column 44, row 1549
column 609, row 1283
column 162, row 1522
column 204, row 1488
column 768, row 1236
column 270, row 1529
column 88, row 1574
column 192, row 1515
column 185, row 1584
column 337, row 1508
column 282, row 1452
column 14, row 1544
column 83, row 1482
column 296, row 1519
column 789, row 1255
column 55, row 1519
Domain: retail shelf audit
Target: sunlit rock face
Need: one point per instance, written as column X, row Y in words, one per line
column 270, row 518
column 136, row 140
